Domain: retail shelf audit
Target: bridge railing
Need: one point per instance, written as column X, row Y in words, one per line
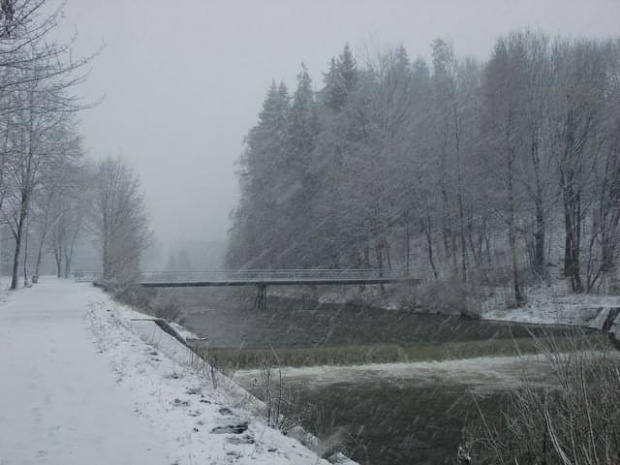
column 87, row 276
column 266, row 275
column 251, row 275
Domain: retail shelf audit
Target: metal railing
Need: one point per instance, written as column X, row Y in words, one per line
column 249, row 276
column 87, row 276
column 267, row 275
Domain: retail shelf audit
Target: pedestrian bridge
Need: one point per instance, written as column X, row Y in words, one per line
column 266, row 277
column 256, row 277
column 259, row 278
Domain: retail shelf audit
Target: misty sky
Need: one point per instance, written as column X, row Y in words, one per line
column 184, row 80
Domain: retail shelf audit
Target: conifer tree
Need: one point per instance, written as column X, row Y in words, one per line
column 255, row 234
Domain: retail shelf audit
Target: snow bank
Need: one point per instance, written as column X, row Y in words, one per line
column 210, row 418
column 85, row 381
column 545, row 305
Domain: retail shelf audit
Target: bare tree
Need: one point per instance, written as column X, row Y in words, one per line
column 36, row 74
column 118, row 218
column 504, row 89
column 36, row 137
column 454, row 91
column 579, row 75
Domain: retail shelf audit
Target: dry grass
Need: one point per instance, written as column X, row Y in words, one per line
column 578, row 423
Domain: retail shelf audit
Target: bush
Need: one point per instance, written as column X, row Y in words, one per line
column 450, row 295
column 131, row 294
column 148, row 300
column 167, row 307
column 578, row 422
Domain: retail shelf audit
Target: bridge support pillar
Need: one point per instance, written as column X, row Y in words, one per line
column 261, row 297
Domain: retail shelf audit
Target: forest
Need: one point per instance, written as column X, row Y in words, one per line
column 505, row 171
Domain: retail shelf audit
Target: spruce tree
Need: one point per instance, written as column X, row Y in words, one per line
column 254, row 240
column 298, row 177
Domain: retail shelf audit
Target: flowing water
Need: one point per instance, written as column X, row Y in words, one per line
column 347, row 389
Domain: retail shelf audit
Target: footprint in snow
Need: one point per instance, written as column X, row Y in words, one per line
column 225, row 411
column 240, row 440
column 239, row 428
column 234, row 455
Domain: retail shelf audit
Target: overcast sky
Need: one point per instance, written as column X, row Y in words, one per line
column 184, row 79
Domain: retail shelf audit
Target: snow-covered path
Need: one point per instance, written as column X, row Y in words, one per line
column 52, row 407
column 81, row 382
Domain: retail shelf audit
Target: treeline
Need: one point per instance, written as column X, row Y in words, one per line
column 50, row 196
column 450, row 168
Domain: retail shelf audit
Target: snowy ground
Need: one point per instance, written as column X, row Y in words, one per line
column 82, row 383
column 552, row 305
column 555, row 305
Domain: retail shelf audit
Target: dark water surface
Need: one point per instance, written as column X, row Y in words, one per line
column 401, row 414
column 292, row 323
column 396, row 424
column 386, row 420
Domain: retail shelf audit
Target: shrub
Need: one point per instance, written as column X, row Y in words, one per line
column 578, row 422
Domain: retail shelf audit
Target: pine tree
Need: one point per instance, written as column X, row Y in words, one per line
column 254, row 235
column 335, row 231
column 340, row 81
column 298, row 179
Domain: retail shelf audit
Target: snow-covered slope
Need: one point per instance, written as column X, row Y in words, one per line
column 547, row 305
column 79, row 385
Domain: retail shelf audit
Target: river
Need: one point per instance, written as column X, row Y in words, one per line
column 389, row 387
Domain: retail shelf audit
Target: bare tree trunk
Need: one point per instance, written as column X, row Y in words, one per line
column 429, row 244
column 455, row 257
column 26, row 231
column 512, row 239
column 40, row 253
column 539, row 213
column 69, row 250
column 539, row 240
column 407, row 249
column 107, row 272
column 379, row 256
column 572, row 247
column 23, row 211
column 459, row 197
column 58, row 259
column 43, row 237
column 388, row 258
column 445, row 221
column 67, row 270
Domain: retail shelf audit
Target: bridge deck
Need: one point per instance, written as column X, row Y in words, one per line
column 266, row 277
column 273, row 282
column 259, row 278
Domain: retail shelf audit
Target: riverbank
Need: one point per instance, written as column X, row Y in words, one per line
column 346, row 384
column 555, row 305
column 547, row 304
column 90, row 381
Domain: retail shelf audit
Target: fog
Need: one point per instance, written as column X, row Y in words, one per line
column 427, row 227
column 182, row 82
